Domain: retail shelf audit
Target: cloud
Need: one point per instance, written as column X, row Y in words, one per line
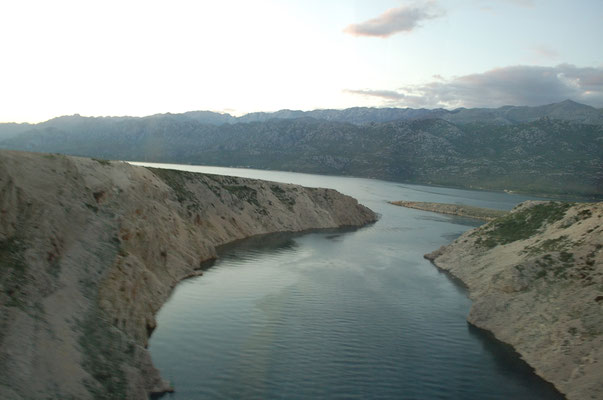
column 543, row 51
column 394, row 20
column 385, row 94
column 514, row 85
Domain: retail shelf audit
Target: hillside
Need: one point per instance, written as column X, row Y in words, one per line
column 537, row 150
column 90, row 250
column 536, row 280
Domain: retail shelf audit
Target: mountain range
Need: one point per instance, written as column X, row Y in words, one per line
column 556, row 149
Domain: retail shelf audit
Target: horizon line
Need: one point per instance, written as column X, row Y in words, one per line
column 233, row 115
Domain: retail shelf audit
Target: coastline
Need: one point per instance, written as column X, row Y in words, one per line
column 534, row 288
column 95, row 247
column 491, row 334
column 484, row 214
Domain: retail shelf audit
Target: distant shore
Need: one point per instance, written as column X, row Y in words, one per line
column 484, row 214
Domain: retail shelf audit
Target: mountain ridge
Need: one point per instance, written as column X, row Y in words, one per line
column 565, row 110
column 547, row 155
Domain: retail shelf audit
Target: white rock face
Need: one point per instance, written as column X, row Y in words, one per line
column 90, row 250
column 536, row 281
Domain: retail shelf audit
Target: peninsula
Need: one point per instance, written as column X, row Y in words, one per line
column 485, row 214
column 91, row 249
column 536, row 280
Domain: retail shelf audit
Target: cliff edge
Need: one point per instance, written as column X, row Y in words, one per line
column 91, row 249
column 536, row 280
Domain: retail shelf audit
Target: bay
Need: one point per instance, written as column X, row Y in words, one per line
column 356, row 314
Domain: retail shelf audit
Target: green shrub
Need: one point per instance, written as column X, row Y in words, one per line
column 522, row 224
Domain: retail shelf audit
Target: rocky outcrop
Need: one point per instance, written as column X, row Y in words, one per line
column 484, row 214
column 536, row 280
column 90, row 250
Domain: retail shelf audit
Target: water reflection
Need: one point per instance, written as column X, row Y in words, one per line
column 273, row 243
column 509, row 363
column 337, row 314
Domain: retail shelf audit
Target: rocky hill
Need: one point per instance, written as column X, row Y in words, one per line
column 90, row 250
column 536, row 280
column 545, row 155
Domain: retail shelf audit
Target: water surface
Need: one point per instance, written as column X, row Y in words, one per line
column 339, row 314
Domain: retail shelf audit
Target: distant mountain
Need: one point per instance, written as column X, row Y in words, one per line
column 567, row 110
column 209, row 117
column 498, row 150
column 12, row 129
column 356, row 115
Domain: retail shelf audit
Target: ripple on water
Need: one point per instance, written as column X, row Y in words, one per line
column 350, row 315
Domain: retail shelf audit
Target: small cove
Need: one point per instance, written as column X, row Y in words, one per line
column 339, row 314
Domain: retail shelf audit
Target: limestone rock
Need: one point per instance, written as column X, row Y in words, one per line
column 536, row 280
column 90, row 250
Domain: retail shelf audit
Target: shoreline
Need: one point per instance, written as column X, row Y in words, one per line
column 531, row 278
column 94, row 248
column 483, row 214
column 490, row 334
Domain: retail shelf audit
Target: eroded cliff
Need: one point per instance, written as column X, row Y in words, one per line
column 536, row 280
column 90, row 250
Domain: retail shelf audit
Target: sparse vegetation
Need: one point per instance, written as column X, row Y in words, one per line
column 281, row 194
column 548, row 281
column 244, row 192
column 13, row 271
column 522, row 224
column 549, row 245
column 102, row 161
column 177, row 181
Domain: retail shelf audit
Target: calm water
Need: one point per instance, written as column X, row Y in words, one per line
column 338, row 315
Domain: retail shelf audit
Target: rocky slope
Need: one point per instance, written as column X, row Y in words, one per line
column 90, row 249
column 536, row 280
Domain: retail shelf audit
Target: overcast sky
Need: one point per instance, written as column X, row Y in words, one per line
column 143, row 57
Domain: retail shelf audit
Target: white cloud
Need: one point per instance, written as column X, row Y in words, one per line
column 401, row 19
column 514, row 85
column 385, row 94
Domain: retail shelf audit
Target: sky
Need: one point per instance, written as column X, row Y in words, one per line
column 131, row 57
